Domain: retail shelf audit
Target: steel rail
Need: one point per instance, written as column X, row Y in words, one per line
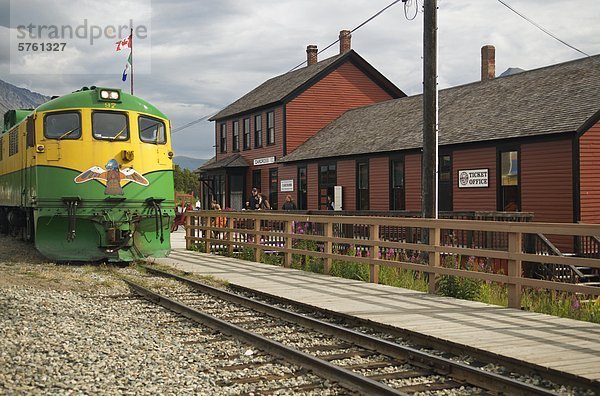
column 457, row 370
column 319, row 367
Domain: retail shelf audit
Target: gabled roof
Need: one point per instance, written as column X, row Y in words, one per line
column 286, row 86
column 233, row 161
column 550, row 100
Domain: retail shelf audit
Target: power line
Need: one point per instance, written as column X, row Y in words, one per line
column 542, row 28
column 189, row 124
column 351, row 31
column 324, row 49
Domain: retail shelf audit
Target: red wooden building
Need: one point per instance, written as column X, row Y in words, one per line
column 256, row 131
column 524, row 142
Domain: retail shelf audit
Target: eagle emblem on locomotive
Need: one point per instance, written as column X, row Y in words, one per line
column 112, row 175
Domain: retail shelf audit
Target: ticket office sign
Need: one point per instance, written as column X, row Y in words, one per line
column 473, row 178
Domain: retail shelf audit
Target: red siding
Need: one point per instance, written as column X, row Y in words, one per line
column 313, row 186
column 480, row 198
column 589, row 168
column 346, row 177
column 345, row 88
column 379, row 183
column 412, row 181
column 547, row 185
column 547, row 181
column 275, row 150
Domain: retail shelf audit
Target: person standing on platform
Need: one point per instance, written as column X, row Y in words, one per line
column 330, row 205
column 253, row 199
column 289, row 203
column 263, row 202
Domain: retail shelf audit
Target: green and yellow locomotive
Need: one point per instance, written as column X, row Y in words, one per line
column 88, row 176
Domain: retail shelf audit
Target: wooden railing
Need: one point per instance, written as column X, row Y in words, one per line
column 370, row 239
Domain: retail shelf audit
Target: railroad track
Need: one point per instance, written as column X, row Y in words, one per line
column 357, row 361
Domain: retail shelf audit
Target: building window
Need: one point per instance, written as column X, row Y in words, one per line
column 273, row 187
column 302, row 188
column 327, row 180
column 256, row 179
column 13, row 142
column 246, row 133
column 223, row 138
column 397, row 201
column 236, row 136
column 509, row 194
column 258, row 131
column 445, row 183
column 362, row 185
column 270, row 127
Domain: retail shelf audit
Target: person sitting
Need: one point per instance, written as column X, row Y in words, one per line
column 289, row 203
column 215, row 206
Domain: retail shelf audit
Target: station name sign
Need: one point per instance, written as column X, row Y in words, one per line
column 264, row 161
column 473, row 178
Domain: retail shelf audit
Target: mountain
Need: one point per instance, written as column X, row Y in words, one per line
column 13, row 97
column 188, row 162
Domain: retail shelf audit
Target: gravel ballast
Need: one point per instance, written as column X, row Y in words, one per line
column 78, row 330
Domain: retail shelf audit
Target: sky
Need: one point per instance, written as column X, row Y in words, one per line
column 197, row 56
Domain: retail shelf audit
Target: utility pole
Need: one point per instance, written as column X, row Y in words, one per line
column 430, row 97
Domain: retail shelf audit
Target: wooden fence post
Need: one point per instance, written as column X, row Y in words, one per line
column 257, row 237
column 328, row 262
column 209, row 234
column 514, row 270
column 188, row 232
column 434, row 258
column 374, row 268
column 229, row 224
column 289, row 229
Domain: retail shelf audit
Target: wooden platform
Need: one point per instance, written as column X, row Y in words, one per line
column 562, row 344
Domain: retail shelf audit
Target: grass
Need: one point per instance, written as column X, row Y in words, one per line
column 560, row 304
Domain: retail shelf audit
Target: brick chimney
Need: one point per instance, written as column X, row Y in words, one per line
column 488, row 62
column 345, row 41
column 311, row 54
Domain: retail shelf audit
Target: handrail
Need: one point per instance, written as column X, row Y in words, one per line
column 268, row 231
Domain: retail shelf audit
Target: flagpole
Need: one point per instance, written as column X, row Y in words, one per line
column 131, row 56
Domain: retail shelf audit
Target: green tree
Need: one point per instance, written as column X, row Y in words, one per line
column 185, row 181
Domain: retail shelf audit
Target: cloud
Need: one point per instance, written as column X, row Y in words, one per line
column 206, row 54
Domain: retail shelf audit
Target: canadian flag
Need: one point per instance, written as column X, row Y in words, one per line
column 125, row 43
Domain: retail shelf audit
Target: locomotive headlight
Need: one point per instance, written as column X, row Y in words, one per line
column 109, row 95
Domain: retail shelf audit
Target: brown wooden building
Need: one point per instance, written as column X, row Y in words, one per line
column 256, row 131
column 525, row 142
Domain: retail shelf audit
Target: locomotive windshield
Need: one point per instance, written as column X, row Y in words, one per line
column 66, row 125
column 110, row 126
column 151, row 130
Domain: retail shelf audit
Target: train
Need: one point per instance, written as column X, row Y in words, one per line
column 88, row 176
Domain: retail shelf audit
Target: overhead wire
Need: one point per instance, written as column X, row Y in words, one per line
column 353, row 30
column 189, row 124
column 542, row 28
